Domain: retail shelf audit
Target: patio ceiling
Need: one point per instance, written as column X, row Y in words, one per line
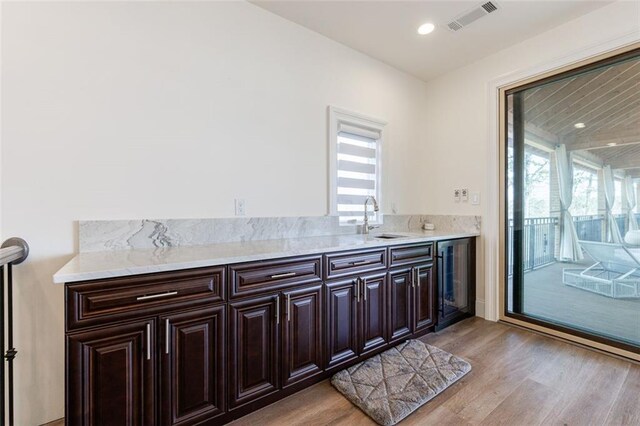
column 606, row 100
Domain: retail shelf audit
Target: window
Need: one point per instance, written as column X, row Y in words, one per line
column 355, row 143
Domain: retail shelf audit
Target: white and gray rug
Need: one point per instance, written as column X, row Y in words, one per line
column 390, row 386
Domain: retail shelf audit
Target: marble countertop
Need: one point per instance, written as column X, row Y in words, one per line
column 121, row 263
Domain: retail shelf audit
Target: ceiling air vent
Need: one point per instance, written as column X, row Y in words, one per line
column 472, row 15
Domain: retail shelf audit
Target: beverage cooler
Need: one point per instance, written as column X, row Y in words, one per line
column 456, row 281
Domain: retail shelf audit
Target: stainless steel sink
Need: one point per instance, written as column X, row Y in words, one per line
column 389, row 236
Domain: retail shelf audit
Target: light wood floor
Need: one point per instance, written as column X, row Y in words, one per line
column 518, row 378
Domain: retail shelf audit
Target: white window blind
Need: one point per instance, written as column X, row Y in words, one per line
column 357, row 173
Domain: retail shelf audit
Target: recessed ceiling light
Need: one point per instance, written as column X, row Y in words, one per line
column 425, row 29
column 612, row 144
column 579, row 125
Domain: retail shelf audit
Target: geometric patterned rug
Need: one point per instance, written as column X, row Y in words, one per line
column 391, row 385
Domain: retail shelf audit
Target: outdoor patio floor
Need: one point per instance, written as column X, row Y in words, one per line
column 547, row 297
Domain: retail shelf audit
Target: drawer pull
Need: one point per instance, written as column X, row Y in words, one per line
column 358, row 262
column 157, row 296
column 285, row 275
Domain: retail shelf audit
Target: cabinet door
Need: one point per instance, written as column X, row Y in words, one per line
column 373, row 306
column 424, row 300
column 111, row 375
column 342, row 334
column 192, row 366
column 253, row 349
column 400, row 315
column 302, row 334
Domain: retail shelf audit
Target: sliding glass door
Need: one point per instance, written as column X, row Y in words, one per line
column 572, row 173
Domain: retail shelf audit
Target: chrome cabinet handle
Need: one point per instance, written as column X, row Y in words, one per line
column 278, row 309
column 358, row 262
column 418, row 276
column 288, row 307
column 356, row 284
column 413, row 277
column 364, row 289
column 167, row 334
column 157, row 296
column 148, row 341
column 285, row 275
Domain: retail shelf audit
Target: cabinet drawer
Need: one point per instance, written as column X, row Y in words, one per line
column 353, row 262
column 402, row 255
column 111, row 300
column 258, row 277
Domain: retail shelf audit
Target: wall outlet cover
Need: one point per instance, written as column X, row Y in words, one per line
column 464, row 194
column 240, row 207
column 456, row 195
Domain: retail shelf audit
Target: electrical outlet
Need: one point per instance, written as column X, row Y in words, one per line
column 239, row 206
column 456, row 195
column 464, row 194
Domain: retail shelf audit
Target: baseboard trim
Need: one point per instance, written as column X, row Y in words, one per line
column 480, row 310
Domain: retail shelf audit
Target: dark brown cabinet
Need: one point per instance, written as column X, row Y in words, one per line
column 400, row 299
column 372, row 312
column 192, row 366
column 272, row 336
column 111, row 375
column 206, row 346
column 356, row 317
column 424, row 291
column 342, row 334
column 254, row 365
column 412, row 303
column 302, row 334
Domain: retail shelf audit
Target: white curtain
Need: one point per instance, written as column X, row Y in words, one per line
column 630, row 192
column 610, row 197
column 569, row 246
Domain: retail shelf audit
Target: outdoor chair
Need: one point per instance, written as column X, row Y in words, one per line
column 615, row 274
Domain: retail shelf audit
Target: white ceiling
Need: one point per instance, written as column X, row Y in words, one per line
column 386, row 30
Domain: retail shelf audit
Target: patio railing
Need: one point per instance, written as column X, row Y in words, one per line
column 540, row 237
column 539, row 242
column 621, row 219
column 589, row 228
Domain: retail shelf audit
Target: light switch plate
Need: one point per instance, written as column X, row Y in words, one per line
column 475, row 198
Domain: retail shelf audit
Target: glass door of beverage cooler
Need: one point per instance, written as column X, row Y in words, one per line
column 456, row 287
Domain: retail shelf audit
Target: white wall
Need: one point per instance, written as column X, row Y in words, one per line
column 457, row 116
column 132, row 110
column 160, row 110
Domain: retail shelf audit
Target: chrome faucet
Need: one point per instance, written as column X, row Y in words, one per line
column 365, row 227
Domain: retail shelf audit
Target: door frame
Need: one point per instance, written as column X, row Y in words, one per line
column 495, row 210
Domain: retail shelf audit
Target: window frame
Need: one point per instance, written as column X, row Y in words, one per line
column 337, row 117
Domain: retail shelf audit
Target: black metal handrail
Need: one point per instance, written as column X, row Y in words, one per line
column 539, row 242
column 12, row 252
